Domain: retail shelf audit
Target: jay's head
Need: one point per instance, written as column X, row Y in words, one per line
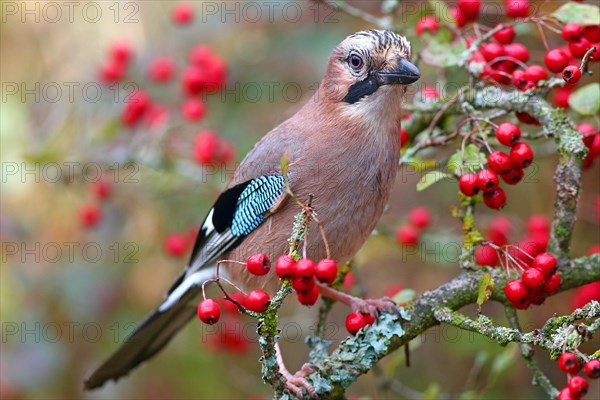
column 369, row 68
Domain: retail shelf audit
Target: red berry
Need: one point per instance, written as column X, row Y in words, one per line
column 309, row 298
column 404, row 138
column 517, row 8
column 183, row 14
column 209, row 311
column 161, row 69
column 257, row 301
column 535, row 73
column 569, row 363
column 546, row 263
column 508, row 134
column 592, row 33
column 430, row 92
column 468, row 185
column 533, row 279
column 176, row 244
column 469, row 8
column 419, row 217
column 486, row 255
column 592, row 369
column 495, row 200
column 521, row 155
column 326, row 271
column 111, row 71
column 578, row 386
column 518, row 79
column 538, row 223
column 305, row 269
column 258, row 264
column 491, row 51
column 552, row 285
column 355, row 322
column 556, row 60
column 206, row 147
column 560, row 97
column 572, row 31
column 537, row 297
column 427, row 23
column 595, row 55
column 565, row 394
column 587, row 131
column 579, row 47
column 407, row 235
column 136, row 105
column 121, row 52
column 284, row 267
column 506, row 35
column 514, row 176
column 571, row 74
column 458, row 16
column 517, row 51
column 487, row 180
column 90, row 214
column 584, row 294
column 193, row 109
column 101, row 188
column 303, row 285
column 499, row 162
column 230, row 306
column 516, row 292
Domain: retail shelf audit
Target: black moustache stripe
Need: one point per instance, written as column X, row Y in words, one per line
column 361, row 89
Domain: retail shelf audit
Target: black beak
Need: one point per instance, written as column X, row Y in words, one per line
column 404, row 74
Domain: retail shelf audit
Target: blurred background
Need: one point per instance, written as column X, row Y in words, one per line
column 101, row 197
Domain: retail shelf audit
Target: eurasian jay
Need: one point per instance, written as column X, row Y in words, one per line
column 343, row 148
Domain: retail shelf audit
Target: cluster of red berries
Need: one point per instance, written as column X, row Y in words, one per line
column 304, row 274
column 418, row 220
column 90, row 213
column 577, row 386
column 535, row 284
column 591, row 139
column 355, row 321
column 257, row 300
column 115, row 67
column 510, row 167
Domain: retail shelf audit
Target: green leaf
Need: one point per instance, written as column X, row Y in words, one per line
column 472, row 157
column 586, row 99
column 584, row 14
column 404, row 296
column 430, row 178
column 486, row 285
column 432, row 392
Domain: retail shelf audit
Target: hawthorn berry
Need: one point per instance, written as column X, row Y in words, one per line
column 538, row 223
column 355, row 322
column 533, row 278
column 430, row 92
column 491, row 51
column 517, row 51
column 486, row 255
column 578, row 386
column 546, row 263
column 487, row 180
column 419, row 217
column 407, row 235
column 521, row 155
column 572, row 31
column 467, row 184
column 571, row 74
column 595, row 55
column 458, row 16
column 209, row 311
column 569, row 363
column 369, row 319
column 560, row 96
column 556, row 60
column 303, row 285
column 592, row 33
column 161, row 69
column 592, row 369
column 565, row 394
column 469, row 8
column 552, row 284
column 535, row 73
column 404, row 138
column 513, row 176
column 284, row 267
column 326, row 271
column 579, row 47
column 206, row 147
column 305, row 269
column 308, row 298
column 495, row 200
column 517, row 8
column 102, row 188
column 505, row 36
column 587, row 131
column 111, row 71
column 516, row 292
column 193, row 109
column 499, row 162
column 427, row 23
column 518, row 79
column 508, row 134
column 230, row 306
column 176, row 244
column 183, row 14
column 136, row 105
column 258, row 264
column 121, row 52
column 257, row 301
column 90, row 214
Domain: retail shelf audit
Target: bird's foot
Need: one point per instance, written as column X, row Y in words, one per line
column 372, row 307
column 297, row 382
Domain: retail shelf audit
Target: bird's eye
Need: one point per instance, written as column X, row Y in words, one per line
column 356, row 62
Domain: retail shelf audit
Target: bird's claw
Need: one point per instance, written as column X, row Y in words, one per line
column 296, row 382
column 374, row 307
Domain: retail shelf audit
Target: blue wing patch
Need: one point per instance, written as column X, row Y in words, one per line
column 256, row 199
